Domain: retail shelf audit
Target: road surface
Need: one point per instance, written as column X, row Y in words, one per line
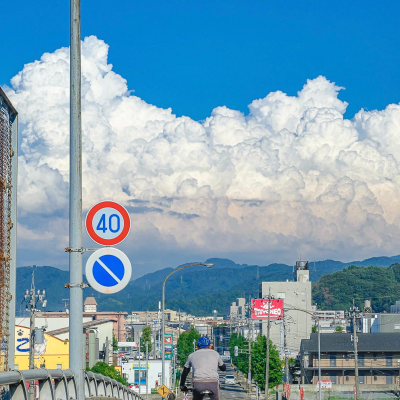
column 232, row 392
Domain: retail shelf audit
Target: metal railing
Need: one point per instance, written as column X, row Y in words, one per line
column 57, row 384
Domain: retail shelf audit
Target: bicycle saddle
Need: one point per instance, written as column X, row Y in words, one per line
column 209, row 392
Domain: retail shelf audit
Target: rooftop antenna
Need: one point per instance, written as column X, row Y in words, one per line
column 65, row 305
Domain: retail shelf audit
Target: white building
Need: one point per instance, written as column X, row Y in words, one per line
column 295, row 294
column 130, row 371
column 90, row 304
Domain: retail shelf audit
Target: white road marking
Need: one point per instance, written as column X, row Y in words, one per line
column 108, row 270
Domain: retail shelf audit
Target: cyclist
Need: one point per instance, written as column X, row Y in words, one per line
column 205, row 363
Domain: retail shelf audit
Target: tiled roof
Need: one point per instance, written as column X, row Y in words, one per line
column 90, row 301
column 341, row 342
column 88, row 324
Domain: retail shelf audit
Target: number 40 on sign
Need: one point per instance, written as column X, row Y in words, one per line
column 108, row 223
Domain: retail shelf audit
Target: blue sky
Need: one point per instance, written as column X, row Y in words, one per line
column 293, row 177
column 193, row 56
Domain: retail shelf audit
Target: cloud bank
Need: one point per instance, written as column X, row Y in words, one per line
column 291, row 176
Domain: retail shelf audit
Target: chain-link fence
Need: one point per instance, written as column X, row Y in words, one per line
column 7, row 115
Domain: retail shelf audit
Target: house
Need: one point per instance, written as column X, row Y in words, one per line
column 378, row 358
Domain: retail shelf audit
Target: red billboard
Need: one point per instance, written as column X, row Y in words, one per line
column 260, row 309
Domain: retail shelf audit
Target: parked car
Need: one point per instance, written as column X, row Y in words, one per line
column 230, row 380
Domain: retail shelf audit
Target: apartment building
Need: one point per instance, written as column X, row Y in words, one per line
column 378, row 358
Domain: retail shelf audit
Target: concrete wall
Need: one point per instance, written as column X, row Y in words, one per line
column 294, row 294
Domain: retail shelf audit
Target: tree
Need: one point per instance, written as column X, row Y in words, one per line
column 146, row 337
column 258, row 358
column 314, row 329
column 107, row 370
column 185, row 344
column 115, row 343
column 338, row 329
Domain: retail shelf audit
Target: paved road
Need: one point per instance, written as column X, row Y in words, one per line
column 232, row 392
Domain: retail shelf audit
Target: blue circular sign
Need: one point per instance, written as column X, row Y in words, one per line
column 108, row 270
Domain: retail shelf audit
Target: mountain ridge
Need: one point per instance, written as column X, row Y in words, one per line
column 195, row 290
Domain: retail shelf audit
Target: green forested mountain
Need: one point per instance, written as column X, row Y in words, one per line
column 379, row 284
column 200, row 290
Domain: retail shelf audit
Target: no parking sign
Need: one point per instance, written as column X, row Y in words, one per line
column 108, row 270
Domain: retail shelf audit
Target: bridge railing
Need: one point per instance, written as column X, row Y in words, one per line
column 57, row 384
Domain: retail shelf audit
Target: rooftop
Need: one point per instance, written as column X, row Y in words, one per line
column 341, row 342
column 90, row 301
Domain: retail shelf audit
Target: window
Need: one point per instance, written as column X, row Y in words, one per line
column 388, row 360
column 59, row 366
column 333, row 379
column 347, row 377
column 281, row 295
column 375, row 377
column 332, row 360
column 361, row 379
column 361, row 357
column 16, row 366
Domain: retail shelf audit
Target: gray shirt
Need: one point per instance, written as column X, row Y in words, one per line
column 205, row 364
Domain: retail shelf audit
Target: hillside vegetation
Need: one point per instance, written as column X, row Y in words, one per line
column 199, row 290
column 379, row 284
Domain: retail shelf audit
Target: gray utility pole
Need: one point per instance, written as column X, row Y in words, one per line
column 34, row 299
column 147, row 370
column 267, row 355
column 354, row 313
column 285, row 350
column 75, row 204
column 140, row 356
column 250, row 339
column 319, row 361
column 208, row 265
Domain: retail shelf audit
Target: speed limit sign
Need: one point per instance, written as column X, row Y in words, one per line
column 108, row 223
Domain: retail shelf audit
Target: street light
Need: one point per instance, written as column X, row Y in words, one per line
column 208, row 265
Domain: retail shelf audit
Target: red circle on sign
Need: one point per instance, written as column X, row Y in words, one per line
column 89, row 219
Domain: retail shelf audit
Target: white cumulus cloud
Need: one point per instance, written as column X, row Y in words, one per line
column 290, row 176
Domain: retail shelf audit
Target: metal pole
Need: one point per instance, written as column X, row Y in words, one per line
column 32, row 336
column 250, row 338
column 147, row 370
column 179, row 327
column 284, row 349
column 163, row 335
column 355, row 351
column 208, row 265
column 140, row 356
column 75, row 205
column 267, row 356
column 319, row 362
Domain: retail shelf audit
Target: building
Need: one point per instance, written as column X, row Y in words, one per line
column 329, row 320
column 238, row 308
column 378, row 355
column 296, row 295
column 52, row 354
column 118, row 318
column 395, row 309
column 380, row 323
column 90, row 305
column 130, row 371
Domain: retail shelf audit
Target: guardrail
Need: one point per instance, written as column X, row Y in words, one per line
column 57, row 384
